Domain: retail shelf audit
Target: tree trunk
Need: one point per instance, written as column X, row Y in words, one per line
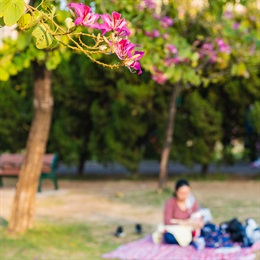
column 83, row 156
column 168, row 138
column 84, row 148
column 204, row 169
column 81, row 164
column 24, row 201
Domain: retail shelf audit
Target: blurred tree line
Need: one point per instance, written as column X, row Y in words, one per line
column 116, row 116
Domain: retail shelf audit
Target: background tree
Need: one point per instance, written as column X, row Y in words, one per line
column 102, row 115
column 16, row 91
column 198, row 45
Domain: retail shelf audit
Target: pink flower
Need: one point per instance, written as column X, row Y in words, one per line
column 166, row 22
column 235, row 26
column 156, row 17
column 159, row 77
column 171, row 48
column 136, row 66
column 85, row 15
column 228, row 15
column 213, row 58
column 114, row 23
column 132, row 62
column 165, row 36
column 170, row 61
column 124, row 49
column 153, row 34
column 149, row 4
column 223, row 47
column 124, row 52
column 176, row 60
column 207, row 49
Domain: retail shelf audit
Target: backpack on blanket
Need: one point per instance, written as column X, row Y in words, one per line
column 236, row 231
column 215, row 237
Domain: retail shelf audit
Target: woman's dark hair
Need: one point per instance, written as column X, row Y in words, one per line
column 180, row 183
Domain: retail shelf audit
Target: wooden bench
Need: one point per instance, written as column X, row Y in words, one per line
column 10, row 165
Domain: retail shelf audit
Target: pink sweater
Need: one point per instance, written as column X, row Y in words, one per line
column 172, row 210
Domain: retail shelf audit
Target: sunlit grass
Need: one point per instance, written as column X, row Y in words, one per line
column 66, row 241
column 83, row 240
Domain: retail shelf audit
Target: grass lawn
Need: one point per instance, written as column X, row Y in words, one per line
column 60, row 232
column 59, row 241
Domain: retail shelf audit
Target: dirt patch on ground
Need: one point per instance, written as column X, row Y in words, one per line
column 86, row 201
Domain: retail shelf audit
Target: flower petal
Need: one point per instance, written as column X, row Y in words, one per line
column 80, row 9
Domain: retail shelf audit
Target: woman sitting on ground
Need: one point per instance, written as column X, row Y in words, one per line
column 179, row 208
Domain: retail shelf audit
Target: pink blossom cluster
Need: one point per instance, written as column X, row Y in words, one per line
column 153, row 34
column 207, row 49
column 235, row 25
column 156, row 34
column 148, row 4
column 165, row 21
column 211, row 50
column 158, row 76
column 223, row 47
column 228, row 15
column 172, row 56
column 119, row 44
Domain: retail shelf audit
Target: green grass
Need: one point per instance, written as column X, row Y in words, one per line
column 143, row 197
column 222, row 209
column 53, row 242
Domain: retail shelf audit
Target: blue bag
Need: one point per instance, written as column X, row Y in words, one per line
column 215, row 237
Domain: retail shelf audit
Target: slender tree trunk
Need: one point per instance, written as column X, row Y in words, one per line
column 81, row 164
column 84, row 149
column 204, row 169
column 24, row 201
column 83, row 156
column 168, row 137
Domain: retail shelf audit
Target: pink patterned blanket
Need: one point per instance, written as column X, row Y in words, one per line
column 145, row 249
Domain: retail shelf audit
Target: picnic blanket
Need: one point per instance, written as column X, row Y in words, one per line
column 145, row 249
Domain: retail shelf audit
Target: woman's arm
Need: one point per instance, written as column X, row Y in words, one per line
column 168, row 212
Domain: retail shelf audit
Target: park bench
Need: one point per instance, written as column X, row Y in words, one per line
column 10, row 165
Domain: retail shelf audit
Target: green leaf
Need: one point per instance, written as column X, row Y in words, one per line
column 12, row 10
column 242, row 70
column 24, row 22
column 4, row 75
column 36, row 17
column 3, row 4
column 53, row 61
column 190, row 76
column 69, row 23
column 2, row 24
column 24, row 41
column 234, row 70
column 12, row 69
column 194, row 56
column 43, row 38
column 177, row 74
